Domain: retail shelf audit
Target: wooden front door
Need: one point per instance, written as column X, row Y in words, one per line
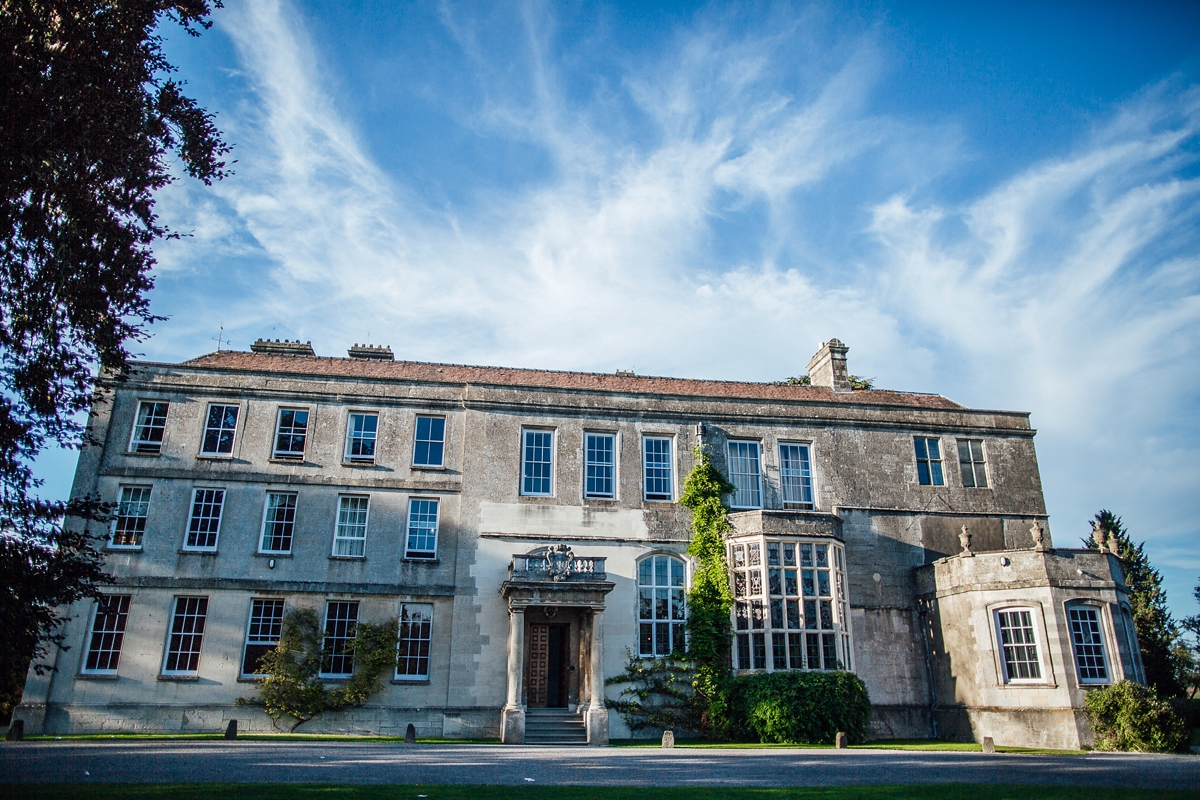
column 547, row 666
column 539, row 664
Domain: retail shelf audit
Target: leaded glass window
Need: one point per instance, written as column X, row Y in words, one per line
column 662, row 606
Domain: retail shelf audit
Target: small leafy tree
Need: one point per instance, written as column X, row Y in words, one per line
column 657, row 694
column 711, row 599
column 1156, row 629
column 1129, row 716
column 293, row 687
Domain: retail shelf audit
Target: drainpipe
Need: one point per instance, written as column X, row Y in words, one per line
column 923, row 616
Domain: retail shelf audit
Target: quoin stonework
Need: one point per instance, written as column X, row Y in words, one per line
column 523, row 527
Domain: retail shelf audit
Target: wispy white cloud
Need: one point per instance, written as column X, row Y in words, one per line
column 673, row 233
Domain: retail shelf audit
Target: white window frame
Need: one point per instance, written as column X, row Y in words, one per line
column 646, row 467
column 350, row 540
column 112, row 533
column 424, row 637
column 1129, row 633
column 612, row 466
column 408, row 529
column 675, row 627
column 758, row 489
column 262, row 534
column 187, row 533
column 1105, row 659
column 152, row 447
column 325, row 636
column 1035, row 623
column 811, row 504
column 290, row 455
column 199, row 651
column 259, row 640
column 812, row 626
column 347, row 457
column 117, row 634
column 553, row 434
column 233, row 434
column 417, row 441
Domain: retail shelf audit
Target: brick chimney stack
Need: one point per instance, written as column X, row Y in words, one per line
column 828, row 367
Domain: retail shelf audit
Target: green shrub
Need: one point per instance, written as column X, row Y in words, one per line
column 1129, row 716
column 293, row 686
column 802, row 707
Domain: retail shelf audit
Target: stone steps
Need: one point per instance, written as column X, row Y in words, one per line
column 554, row 726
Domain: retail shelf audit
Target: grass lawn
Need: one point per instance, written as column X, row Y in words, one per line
column 266, row 737
column 884, row 744
column 264, row 791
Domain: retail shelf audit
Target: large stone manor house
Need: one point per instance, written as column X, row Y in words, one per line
column 523, row 527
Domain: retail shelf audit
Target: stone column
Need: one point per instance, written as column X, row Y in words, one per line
column 597, row 714
column 512, row 728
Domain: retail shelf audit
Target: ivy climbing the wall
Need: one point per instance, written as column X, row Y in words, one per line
column 293, row 687
column 710, row 600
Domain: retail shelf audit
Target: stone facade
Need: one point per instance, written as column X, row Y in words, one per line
column 516, row 532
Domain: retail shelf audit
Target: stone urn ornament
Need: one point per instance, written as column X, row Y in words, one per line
column 964, row 539
column 1039, row 536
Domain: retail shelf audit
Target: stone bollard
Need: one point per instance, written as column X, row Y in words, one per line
column 410, row 734
column 16, row 731
column 988, row 745
column 668, row 739
column 840, row 741
column 231, row 729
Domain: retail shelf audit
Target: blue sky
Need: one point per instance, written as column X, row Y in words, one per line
column 995, row 202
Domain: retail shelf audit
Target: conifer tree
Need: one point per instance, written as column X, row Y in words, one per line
column 1156, row 630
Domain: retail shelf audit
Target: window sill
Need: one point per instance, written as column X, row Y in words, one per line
column 418, row 560
column 428, row 467
column 252, row 678
column 97, row 676
column 123, row 549
column 359, row 464
column 601, row 502
column 190, row 551
column 136, row 454
column 261, row 554
column 410, row 681
column 179, row 678
column 658, row 500
column 535, row 498
column 298, row 462
column 1029, row 685
column 347, row 558
column 334, row 678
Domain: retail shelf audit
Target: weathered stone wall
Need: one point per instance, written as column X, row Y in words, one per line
column 863, row 470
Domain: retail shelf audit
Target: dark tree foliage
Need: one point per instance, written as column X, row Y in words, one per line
column 90, row 120
column 1156, row 630
column 1190, row 652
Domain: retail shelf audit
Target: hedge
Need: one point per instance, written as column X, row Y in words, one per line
column 802, row 707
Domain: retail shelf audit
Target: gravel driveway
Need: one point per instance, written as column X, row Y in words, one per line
column 351, row 762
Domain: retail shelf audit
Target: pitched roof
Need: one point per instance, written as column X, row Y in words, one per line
column 553, row 379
